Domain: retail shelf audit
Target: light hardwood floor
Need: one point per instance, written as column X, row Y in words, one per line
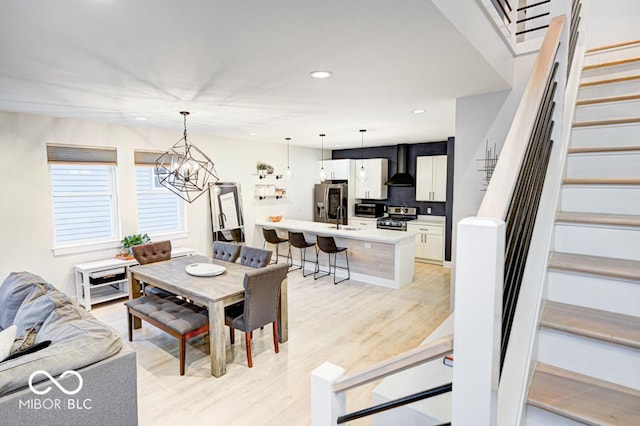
column 352, row 325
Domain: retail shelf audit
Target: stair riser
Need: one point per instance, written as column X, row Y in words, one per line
column 620, row 135
column 607, row 111
column 624, row 70
column 602, row 360
column 604, row 165
column 595, row 292
column 600, row 199
column 612, row 55
column 623, row 88
column 621, row 243
column 539, row 417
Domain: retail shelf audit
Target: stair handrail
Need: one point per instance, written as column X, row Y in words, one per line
column 497, row 199
column 329, row 383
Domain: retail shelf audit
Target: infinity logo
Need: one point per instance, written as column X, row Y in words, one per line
column 55, row 382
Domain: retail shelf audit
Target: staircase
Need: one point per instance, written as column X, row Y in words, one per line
column 588, row 343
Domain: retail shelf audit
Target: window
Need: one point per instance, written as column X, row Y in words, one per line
column 159, row 210
column 83, row 182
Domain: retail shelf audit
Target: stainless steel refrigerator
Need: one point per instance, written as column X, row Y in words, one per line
column 330, row 202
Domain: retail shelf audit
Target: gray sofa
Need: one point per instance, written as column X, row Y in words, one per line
column 105, row 392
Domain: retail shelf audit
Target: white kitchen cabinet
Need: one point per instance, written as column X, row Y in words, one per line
column 363, row 222
column 431, row 178
column 372, row 188
column 429, row 243
column 337, row 169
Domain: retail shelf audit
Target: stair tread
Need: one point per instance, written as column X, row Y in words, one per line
column 610, row 81
column 607, row 122
column 595, row 265
column 593, row 323
column 583, row 398
column 611, row 63
column 598, row 218
column 608, row 99
column 601, row 181
column 602, row 149
column 612, row 46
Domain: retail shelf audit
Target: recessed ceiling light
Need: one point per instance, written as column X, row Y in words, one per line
column 253, row 134
column 336, row 145
column 141, row 118
column 418, row 111
column 320, row 74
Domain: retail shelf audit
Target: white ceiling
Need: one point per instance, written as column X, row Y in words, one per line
column 241, row 67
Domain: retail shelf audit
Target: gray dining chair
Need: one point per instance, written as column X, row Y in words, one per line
column 150, row 253
column 260, row 305
column 226, row 251
column 254, row 257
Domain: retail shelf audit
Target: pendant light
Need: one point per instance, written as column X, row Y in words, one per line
column 288, row 173
column 363, row 174
column 323, row 175
column 184, row 169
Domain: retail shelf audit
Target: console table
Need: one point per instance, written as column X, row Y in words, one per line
column 104, row 280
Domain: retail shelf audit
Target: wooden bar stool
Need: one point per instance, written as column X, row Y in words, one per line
column 328, row 245
column 270, row 236
column 297, row 240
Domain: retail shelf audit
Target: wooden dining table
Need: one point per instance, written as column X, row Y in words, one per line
column 213, row 293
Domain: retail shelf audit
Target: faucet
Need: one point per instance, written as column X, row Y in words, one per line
column 340, row 215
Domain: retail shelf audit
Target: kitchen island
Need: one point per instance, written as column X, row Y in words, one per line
column 376, row 256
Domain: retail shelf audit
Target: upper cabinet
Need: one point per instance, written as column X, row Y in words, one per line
column 337, row 169
column 373, row 187
column 431, row 179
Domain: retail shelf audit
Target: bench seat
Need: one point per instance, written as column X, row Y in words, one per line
column 175, row 316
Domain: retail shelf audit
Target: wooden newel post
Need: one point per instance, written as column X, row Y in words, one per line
column 326, row 405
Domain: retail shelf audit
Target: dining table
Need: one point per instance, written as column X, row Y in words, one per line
column 211, row 292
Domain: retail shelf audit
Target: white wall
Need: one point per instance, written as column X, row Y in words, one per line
column 609, row 22
column 26, row 223
column 480, row 119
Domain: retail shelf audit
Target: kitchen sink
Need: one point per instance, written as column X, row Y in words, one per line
column 346, row 228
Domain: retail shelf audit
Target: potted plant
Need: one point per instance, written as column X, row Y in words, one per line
column 262, row 168
column 130, row 241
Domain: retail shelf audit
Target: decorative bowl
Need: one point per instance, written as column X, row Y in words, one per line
column 275, row 218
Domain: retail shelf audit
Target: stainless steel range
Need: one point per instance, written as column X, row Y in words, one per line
column 398, row 218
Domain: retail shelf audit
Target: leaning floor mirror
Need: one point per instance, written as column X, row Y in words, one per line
column 225, row 201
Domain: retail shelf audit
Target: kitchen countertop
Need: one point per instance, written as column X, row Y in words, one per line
column 364, row 234
column 427, row 219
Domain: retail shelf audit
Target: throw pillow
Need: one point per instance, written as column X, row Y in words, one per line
column 6, row 341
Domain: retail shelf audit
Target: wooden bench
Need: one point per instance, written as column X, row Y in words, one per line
column 177, row 317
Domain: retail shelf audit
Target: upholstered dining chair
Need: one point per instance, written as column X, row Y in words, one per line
column 254, row 257
column 150, row 253
column 260, row 305
column 271, row 237
column 225, row 251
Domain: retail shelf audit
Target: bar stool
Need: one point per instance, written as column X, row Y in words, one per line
column 328, row 245
column 271, row 237
column 297, row 240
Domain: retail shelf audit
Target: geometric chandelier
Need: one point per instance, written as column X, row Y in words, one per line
column 185, row 170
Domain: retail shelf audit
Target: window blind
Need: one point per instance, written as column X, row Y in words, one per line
column 146, row 158
column 84, row 204
column 159, row 210
column 81, row 154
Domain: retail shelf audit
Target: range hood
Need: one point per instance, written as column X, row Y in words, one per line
column 402, row 178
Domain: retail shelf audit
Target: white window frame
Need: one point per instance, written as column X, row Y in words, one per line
column 82, row 245
column 181, row 231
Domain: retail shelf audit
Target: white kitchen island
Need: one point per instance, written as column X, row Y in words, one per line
column 376, row 256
